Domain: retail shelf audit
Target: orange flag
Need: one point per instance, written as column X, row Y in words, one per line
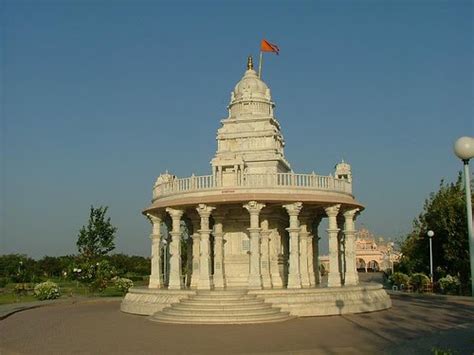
column 269, row 47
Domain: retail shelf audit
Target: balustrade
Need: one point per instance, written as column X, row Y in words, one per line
column 255, row 180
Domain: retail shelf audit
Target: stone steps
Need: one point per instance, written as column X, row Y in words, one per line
column 222, row 301
column 220, row 307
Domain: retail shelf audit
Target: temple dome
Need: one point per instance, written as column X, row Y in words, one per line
column 250, row 86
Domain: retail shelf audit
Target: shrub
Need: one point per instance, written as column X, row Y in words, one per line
column 449, row 285
column 399, row 278
column 122, row 284
column 419, row 281
column 4, row 281
column 47, row 291
column 21, row 289
column 96, row 275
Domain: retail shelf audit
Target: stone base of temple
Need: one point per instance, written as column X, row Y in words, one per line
column 327, row 301
column 240, row 306
column 147, row 301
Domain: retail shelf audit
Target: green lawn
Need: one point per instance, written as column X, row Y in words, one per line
column 68, row 289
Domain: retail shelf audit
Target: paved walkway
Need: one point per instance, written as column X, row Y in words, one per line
column 6, row 310
column 413, row 326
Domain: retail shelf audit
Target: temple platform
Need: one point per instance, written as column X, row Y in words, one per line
column 240, row 306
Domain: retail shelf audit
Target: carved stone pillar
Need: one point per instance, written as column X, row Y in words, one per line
column 175, row 278
column 352, row 277
column 204, row 282
column 341, row 244
column 304, row 241
column 315, row 252
column 195, row 267
column 156, row 277
column 255, row 277
column 334, row 276
column 265, row 254
column 294, row 276
column 219, row 274
column 196, row 251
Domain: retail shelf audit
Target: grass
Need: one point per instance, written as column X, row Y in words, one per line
column 68, row 289
column 7, row 298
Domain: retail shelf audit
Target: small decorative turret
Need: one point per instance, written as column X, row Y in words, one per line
column 343, row 171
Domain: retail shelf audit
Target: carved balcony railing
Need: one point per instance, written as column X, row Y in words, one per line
column 194, row 183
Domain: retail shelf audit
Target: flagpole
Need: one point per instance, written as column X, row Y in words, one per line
column 260, row 65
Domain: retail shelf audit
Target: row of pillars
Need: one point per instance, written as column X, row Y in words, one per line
column 300, row 273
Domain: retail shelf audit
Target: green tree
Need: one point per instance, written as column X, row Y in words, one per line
column 444, row 213
column 50, row 266
column 97, row 238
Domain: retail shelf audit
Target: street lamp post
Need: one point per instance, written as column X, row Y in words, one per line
column 464, row 149
column 390, row 248
column 430, row 235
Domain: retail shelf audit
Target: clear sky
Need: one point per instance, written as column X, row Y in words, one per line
column 99, row 97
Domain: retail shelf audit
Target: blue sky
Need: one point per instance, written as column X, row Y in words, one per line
column 99, row 97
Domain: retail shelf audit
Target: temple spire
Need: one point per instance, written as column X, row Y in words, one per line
column 249, row 63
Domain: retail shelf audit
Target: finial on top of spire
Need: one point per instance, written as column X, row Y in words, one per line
column 249, row 63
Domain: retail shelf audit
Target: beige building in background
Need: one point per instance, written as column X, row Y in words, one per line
column 373, row 253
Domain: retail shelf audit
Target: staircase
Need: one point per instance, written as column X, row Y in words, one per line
column 221, row 307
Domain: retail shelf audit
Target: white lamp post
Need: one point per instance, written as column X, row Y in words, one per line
column 464, row 149
column 430, row 234
column 390, row 248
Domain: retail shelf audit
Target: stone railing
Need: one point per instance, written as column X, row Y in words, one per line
column 276, row 180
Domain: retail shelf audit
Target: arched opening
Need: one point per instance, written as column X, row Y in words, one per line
column 373, row 266
column 361, row 265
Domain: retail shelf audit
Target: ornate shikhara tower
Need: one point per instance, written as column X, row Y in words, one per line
column 253, row 223
column 250, row 139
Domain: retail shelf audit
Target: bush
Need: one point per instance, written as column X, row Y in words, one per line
column 47, row 291
column 4, row 281
column 122, row 284
column 449, row 285
column 95, row 274
column 21, row 289
column 419, row 281
column 399, row 278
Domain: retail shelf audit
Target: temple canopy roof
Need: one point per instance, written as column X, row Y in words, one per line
column 250, row 86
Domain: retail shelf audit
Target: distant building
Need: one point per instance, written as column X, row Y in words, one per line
column 372, row 253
